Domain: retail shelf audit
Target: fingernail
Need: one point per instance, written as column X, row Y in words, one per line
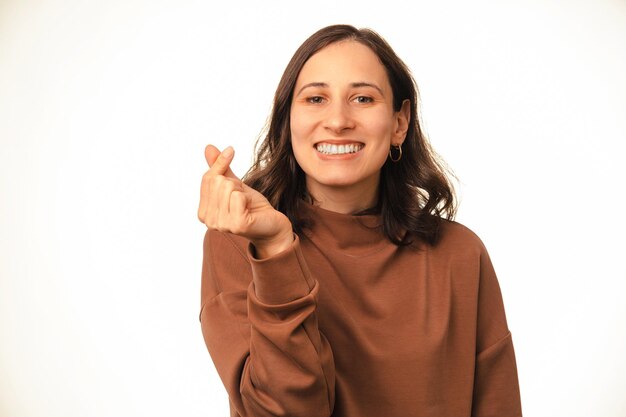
column 228, row 152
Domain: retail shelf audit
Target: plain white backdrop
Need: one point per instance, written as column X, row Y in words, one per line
column 105, row 109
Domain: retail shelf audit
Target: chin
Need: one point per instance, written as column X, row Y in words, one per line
column 338, row 181
column 334, row 182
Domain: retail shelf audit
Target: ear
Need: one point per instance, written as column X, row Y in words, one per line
column 403, row 118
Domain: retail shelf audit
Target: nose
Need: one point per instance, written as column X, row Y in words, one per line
column 338, row 117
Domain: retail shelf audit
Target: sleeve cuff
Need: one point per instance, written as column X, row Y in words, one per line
column 281, row 278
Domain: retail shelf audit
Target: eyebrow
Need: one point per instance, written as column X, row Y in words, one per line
column 353, row 85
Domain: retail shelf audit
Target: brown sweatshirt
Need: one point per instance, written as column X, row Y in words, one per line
column 347, row 324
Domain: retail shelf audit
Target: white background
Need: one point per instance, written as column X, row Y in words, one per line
column 105, row 109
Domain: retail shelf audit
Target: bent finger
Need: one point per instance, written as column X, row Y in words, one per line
column 238, row 210
column 225, row 191
column 204, row 198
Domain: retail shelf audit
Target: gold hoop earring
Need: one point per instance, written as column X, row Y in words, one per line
column 398, row 149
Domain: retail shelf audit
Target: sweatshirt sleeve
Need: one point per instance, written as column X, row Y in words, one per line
column 496, row 386
column 260, row 326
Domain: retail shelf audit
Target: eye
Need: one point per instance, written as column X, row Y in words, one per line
column 315, row 99
column 363, row 99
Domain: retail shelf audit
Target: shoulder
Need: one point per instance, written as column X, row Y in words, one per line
column 458, row 241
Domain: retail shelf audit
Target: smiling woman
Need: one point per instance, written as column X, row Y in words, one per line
column 342, row 128
column 414, row 193
column 334, row 281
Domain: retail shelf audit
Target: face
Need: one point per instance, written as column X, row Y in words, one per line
column 342, row 120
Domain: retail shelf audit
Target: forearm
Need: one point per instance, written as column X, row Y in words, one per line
column 264, row 338
column 290, row 370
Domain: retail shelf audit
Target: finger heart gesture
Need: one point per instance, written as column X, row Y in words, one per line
column 229, row 205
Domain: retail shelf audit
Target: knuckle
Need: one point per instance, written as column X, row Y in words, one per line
column 230, row 187
column 237, row 199
column 213, row 181
column 209, row 220
column 237, row 228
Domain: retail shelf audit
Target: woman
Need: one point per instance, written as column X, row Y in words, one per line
column 334, row 281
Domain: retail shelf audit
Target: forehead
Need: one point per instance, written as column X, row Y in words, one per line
column 344, row 62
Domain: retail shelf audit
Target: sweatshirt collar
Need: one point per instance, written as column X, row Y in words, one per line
column 347, row 232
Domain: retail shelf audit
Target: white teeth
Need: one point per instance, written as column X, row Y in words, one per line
column 330, row 149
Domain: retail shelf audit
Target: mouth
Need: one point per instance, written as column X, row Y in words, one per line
column 328, row 148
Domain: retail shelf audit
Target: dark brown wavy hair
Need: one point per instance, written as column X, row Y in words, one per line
column 415, row 194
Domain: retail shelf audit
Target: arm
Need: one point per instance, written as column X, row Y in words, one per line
column 259, row 302
column 496, row 386
column 260, row 326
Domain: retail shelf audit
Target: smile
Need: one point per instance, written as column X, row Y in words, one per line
column 335, row 149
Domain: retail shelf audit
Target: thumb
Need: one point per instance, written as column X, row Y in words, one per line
column 220, row 162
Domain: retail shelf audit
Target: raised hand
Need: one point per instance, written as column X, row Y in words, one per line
column 228, row 205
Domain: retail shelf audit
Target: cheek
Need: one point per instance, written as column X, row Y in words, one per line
column 299, row 123
column 381, row 129
column 298, row 136
column 297, row 141
column 379, row 159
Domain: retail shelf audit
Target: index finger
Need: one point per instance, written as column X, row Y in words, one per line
column 219, row 162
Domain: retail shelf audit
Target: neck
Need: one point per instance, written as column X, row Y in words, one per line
column 344, row 200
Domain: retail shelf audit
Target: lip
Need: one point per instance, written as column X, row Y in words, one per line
column 338, row 142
